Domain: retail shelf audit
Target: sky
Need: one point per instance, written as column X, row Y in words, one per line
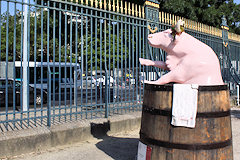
column 12, row 6
column 236, row 1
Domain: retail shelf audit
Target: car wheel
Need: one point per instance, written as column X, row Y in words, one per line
column 38, row 99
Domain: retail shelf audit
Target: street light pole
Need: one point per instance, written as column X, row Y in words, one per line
column 25, row 57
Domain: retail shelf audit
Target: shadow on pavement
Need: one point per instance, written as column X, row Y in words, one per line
column 117, row 148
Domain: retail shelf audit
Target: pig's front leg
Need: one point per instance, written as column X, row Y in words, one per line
column 158, row 64
column 177, row 75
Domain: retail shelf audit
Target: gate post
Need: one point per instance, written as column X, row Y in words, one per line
column 225, row 54
column 231, row 74
column 152, row 16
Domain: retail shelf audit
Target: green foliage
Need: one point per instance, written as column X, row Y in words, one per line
column 101, row 52
column 37, row 41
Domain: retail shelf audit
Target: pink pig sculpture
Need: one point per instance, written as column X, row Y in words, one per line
column 189, row 60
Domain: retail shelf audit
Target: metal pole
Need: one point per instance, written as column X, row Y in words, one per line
column 106, row 94
column 75, row 87
column 25, row 57
column 238, row 95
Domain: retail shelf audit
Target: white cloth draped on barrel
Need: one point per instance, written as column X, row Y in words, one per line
column 184, row 105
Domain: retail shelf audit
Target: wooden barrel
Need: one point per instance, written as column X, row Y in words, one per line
column 211, row 139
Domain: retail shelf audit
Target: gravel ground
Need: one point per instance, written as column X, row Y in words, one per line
column 121, row 146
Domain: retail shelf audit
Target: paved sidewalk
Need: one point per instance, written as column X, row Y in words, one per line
column 236, row 132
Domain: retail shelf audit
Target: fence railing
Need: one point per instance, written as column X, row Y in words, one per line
column 82, row 58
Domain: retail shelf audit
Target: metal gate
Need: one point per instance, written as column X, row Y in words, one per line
column 70, row 60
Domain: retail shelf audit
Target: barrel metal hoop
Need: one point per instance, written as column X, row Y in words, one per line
column 169, row 87
column 213, row 88
column 153, row 87
column 161, row 112
column 207, row 146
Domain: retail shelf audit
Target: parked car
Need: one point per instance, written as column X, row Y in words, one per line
column 102, row 79
column 89, row 80
column 17, row 93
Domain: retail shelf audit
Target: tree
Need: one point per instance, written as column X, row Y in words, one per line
column 107, row 51
column 12, row 36
column 205, row 11
column 236, row 19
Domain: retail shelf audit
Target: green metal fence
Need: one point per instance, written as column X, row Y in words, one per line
column 81, row 59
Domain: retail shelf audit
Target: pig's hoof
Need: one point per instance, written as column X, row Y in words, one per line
column 148, row 82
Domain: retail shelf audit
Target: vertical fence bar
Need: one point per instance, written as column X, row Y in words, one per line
column 49, row 95
column 91, row 59
column 65, row 65
column 125, row 55
column 133, row 66
column 101, row 54
column 53, row 81
column 109, row 59
column 121, row 34
column 96, row 56
column 6, row 69
column 86, row 63
column 116, row 77
column 71, row 26
column 76, row 67
column 82, row 58
column 141, row 76
column 106, row 95
column 113, row 61
column 105, row 59
column 59, row 63
column 28, row 59
column 237, row 95
column 14, row 69
column 129, row 59
column 49, row 72
column 41, row 61
column 21, row 72
column 35, row 59
column 25, row 58
column 136, row 65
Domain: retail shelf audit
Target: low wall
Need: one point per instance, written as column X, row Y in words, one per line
column 41, row 138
